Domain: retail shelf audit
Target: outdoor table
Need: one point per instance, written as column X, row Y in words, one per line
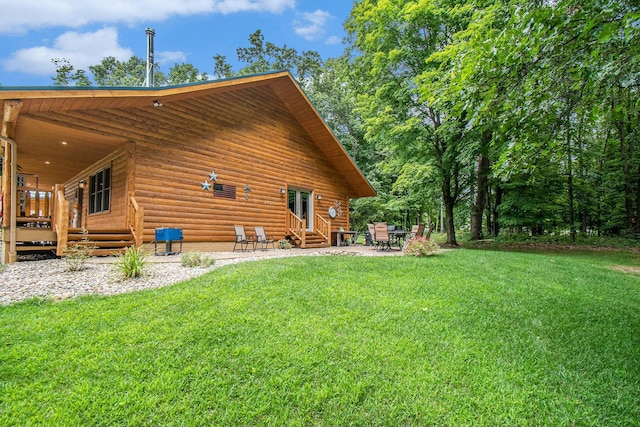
column 398, row 236
column 340, row 234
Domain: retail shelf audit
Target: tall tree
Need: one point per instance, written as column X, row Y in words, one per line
column 394, row 39
column 528, row 72
column 261, row 56
column 65, row 75
column 131, row 73
column 185, row 73
column 113, row 72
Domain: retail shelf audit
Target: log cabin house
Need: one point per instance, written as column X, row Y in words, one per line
column 111, row 166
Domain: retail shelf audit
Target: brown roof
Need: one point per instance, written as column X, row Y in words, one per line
column 40, row 118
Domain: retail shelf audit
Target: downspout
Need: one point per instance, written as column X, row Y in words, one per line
column 12, row 220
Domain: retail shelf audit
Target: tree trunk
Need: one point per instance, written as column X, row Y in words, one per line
column 628, row 192
column 637, row 224
column 449, row 203
column 477, row 212
column 621, row 125
column 488, row 210
column 495, row 227
column 637, row 218
column 572, row 214
column 600, row 187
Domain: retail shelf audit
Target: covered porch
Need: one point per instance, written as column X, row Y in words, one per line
column 46, row 176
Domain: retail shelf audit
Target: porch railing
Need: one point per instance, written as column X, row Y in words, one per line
column 34, row 204
column 323, row 227
column 61, row 219
column 297, row 227
column 135, row 220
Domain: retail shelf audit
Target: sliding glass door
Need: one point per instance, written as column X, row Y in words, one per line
column 301, row 204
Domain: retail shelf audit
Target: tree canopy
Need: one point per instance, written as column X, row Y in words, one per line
column 496, row 116
column 525, row 109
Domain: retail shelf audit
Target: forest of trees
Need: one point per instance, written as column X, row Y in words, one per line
column 498, row 117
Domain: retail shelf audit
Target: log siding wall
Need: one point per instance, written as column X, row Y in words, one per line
column 244, row 140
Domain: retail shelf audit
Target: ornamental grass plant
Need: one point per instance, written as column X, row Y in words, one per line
column 131, row 263
column 465, row 338
column 195, row 259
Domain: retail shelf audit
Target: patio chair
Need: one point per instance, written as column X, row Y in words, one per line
column 372, row 233
column 383, row 240
column 243, row 240
column 263, row 240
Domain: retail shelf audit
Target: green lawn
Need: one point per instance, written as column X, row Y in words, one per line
column 465, row 337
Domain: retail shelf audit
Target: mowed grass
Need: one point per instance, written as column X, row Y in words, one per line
column 463, row 338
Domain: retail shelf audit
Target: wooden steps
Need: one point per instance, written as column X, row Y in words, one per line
column 105, row 242
column 314, row 240
column 35, row 248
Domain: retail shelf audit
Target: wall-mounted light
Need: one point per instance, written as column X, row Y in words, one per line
column 81, row 184
column 282, row 190
column 319, row 196
column 157, row 103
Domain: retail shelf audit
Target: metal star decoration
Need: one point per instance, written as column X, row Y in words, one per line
column 206, row 186
column 213, row 177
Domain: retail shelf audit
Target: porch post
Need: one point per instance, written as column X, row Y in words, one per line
column 7, row 129
column 61, row 214
column 6, row 185
column 9, row 255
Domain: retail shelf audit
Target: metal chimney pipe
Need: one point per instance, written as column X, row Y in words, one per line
column 150, row 62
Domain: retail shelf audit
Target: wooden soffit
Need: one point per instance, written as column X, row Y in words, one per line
column 83, row 124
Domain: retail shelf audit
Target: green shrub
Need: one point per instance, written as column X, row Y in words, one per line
column 284, row 244
column 419, row 246
column 132, row 262
column 582, row 239
column 195, row 259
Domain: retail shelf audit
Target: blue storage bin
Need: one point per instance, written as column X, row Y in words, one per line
column 163, row 234
column 168, row 235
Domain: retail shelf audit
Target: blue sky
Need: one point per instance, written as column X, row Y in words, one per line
column 191, row 31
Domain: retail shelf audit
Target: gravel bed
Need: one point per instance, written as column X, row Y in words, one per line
column 49, row 278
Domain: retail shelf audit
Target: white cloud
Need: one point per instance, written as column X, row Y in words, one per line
column 233, row 6
column 23, row 15
column 170, row 58
column 333, row 40
column 313, row 26
column 81, row 49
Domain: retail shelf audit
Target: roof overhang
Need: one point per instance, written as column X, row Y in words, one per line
column 47, row 121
